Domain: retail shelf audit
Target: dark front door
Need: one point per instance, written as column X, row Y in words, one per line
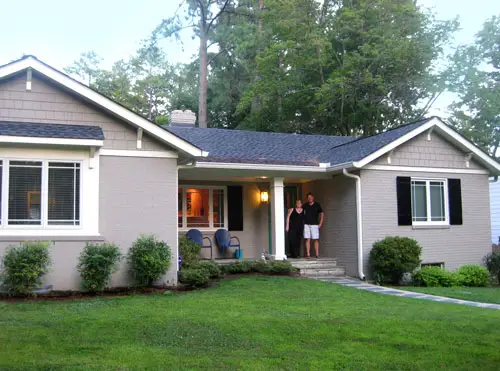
column 290, row 194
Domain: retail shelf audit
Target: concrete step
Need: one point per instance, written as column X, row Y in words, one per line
column 322, row 272
column 315, row 264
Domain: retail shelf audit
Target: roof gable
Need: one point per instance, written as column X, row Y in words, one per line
column 91, row 96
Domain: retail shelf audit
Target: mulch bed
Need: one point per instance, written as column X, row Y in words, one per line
column 121, row 291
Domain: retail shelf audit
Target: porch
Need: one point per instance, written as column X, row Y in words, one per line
column 252, row 204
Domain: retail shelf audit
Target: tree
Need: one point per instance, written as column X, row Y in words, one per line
column 475, row 76
column 86, row 67
column 201, row 15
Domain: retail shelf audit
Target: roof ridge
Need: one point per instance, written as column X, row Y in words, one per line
column 167, row 127
column 423, row 121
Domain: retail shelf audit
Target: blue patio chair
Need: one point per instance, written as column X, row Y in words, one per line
column 225, row 241
column 197, row 237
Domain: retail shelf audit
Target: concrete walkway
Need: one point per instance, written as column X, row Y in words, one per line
column 352, row 282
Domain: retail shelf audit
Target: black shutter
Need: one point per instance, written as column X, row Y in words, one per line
column 235, row 208
column 403, row 188
column 455, row 201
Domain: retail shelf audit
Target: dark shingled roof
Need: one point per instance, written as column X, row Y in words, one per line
column 239, row 146
column 27, row 129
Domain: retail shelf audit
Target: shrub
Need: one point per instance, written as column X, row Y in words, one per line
column 149, row 259
column 473, row 275
column 194, row 277
column 435, row 277
column 280, row 267
column 189, row 252
column 260, row 266
column 211, row 267
column 24, row 266
column 394, row 256
column 492, row 262
column 96, row 264
column 239, row 267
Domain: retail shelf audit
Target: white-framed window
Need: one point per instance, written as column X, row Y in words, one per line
column 49, row 192
column 202, row 207
column 40, row 193
column 429, row 200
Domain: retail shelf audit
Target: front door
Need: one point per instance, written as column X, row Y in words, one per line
column 290, row 194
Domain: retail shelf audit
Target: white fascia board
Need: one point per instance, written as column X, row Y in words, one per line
column 444, row 129
column 268, row 167
column 423, row 169
column 137, row 153
column 396, row 143
column 54, row 141
column 478, row 153
column 103, row 102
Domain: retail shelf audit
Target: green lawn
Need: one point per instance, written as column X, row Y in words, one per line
column 481, row 294
column 252, row 323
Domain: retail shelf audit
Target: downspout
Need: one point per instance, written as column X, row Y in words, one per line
column 359, row 221
column 494, row 180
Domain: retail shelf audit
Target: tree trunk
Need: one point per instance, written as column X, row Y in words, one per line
column 202, row 109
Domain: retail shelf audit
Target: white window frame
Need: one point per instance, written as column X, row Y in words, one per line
column 429, row 221
column 210, row 228
column 89, row 192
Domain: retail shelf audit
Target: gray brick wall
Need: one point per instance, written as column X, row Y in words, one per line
column 434, row 153
column 138, row 196
column 338, row 237
column 455, row 245
column 47, row 103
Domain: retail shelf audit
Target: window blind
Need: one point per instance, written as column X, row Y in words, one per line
column 64, row 193
column 25, row 184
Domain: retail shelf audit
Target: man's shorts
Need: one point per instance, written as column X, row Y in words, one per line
column 311, row 232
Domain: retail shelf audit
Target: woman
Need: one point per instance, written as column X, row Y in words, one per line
column 295, row 228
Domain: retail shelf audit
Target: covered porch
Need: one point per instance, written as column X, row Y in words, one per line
column 252, row 204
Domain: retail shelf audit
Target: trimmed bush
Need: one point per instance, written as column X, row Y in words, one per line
column 280, row 267
column 189, row 252
column 194, row 277
column 149, row 259
column 435, row 277
column 260, row 266
column 211, row 267
column 238, row 267
column 394, row 256
column 24, row 267
column 96, row 264
column 492, row 262
column 473, row 275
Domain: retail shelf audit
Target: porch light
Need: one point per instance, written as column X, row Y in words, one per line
column 264, row 197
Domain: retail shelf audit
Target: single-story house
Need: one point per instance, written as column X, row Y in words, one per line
column 495, row 211
column 77, row 167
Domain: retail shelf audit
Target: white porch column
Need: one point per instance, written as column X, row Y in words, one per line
column 278, row 218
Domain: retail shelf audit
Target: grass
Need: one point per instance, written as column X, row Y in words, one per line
column 251, row 323
column 481, row 294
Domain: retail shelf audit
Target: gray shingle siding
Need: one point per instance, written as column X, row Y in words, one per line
column 48, row 104
column 455, row 245
column 420, row 152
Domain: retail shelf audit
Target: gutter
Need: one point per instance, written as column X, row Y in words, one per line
column 359, row 221
column 494, row 180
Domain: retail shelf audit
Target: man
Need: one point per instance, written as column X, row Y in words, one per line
column 313, row 222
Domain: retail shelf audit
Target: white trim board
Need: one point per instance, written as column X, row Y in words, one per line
column 134, row 153
column 434, row 124
column 424, row 169
column 55, row 141
column 268, row 167
column 102, row 101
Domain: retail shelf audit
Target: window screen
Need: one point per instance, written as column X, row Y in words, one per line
column 25, row 183
column 64, row 194
column 218, row 208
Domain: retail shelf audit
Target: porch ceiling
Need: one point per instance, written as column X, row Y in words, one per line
column 252, row 176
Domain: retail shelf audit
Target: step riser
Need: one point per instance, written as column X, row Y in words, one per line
column 322, row 272
column 315, row 266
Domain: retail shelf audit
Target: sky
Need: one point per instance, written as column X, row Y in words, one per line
column 57, row 31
